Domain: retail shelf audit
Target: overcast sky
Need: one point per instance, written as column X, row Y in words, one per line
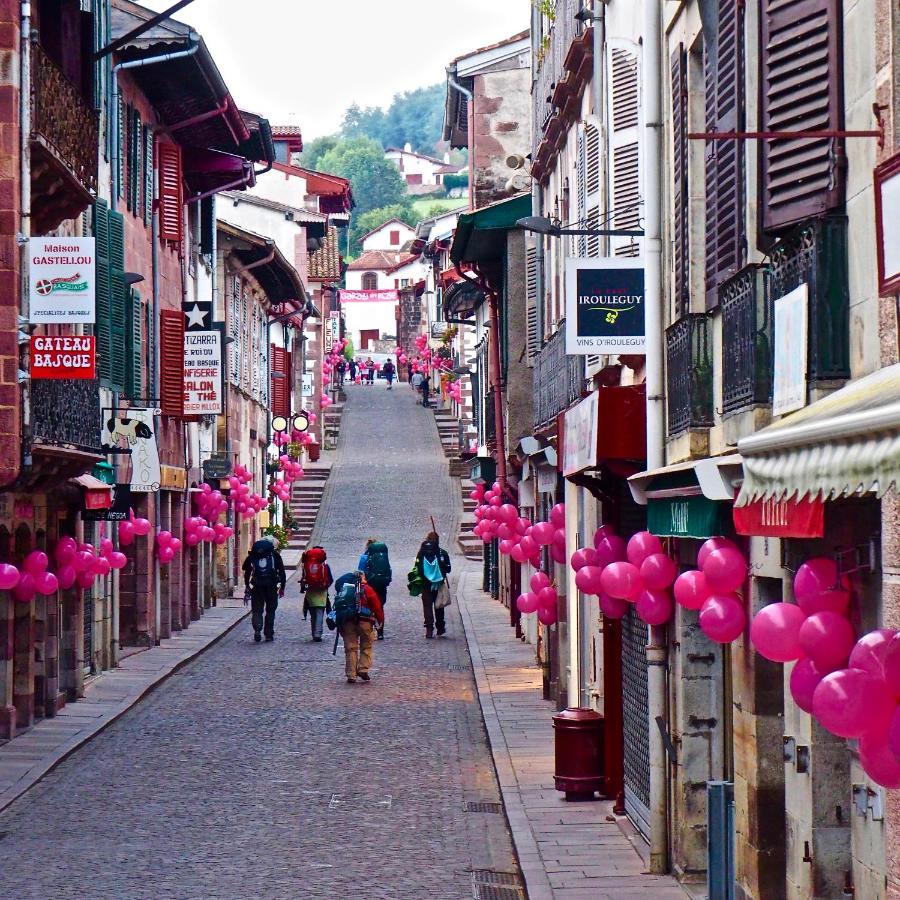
column 303, row 62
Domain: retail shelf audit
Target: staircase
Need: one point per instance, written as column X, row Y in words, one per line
column 305, row 501
column 448, row 431
column 331, row 427
column 470, row 544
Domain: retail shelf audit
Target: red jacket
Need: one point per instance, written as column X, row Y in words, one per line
column 374, row 603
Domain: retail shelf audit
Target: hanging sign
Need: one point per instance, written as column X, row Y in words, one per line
column 69, row 357
column 803, row 518
column 130, row 436
column 307, row 389
column 692, row 516
column 887, row 225
column 605, row 306
column 790, row 339
column 580, row 444
column 332, row 331
column 62, row 285
column 202, row 372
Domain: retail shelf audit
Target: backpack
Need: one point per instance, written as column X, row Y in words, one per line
column 432, row 569
column 378, row 566
column 348, row 605
column 315, row 569
column 262, row 561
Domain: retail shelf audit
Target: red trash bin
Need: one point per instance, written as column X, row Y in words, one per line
column 313, row 450
column 578, row 740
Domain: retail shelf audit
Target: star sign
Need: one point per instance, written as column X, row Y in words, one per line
column 196, row 316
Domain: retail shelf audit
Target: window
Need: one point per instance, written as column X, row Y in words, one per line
column 414, row 178
column 171, row 326
column 370, row 281
column 395, row 238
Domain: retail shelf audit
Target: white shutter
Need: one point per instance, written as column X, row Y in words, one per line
column 623, row 97
column 593, row 202
column 233, row 307
column 580, row 241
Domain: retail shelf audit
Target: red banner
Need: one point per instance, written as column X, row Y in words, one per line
column 386, row 296
column 781, row 518
column 67, row 357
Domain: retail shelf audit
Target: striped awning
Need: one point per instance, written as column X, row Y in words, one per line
column 844, row 444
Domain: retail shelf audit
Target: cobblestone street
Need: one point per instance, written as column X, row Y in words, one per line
column 256, row 771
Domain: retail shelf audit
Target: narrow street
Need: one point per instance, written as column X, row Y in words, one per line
column 257, row 771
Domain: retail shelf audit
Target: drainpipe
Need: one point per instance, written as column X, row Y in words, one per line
column 657, row 650
column 470, row 122
column 254, row 265
column 241, row 182
column 24, row 235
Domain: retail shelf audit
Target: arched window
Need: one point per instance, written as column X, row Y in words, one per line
column 370, row 281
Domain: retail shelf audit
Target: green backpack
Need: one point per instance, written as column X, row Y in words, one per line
column 414, row 582
column 378, row 566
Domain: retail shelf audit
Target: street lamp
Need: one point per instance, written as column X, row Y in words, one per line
column 545, row 225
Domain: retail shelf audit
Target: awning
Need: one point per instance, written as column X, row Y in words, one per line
column 97, row 493
column 208, row 171
column 846, row 443
column 715, row 478
column 481, row 235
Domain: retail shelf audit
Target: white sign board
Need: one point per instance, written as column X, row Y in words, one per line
column 332, row 329
column 202, row 373
column 581, row 435
column 135, row 430
column 62, row 280
column 887, row 205
column 791, row 343
column 307, row 384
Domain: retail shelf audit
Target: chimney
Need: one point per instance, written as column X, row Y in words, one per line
column 407, row 147
column 447, row 158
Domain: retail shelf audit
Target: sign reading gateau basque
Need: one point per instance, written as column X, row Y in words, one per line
column 62, row 280
column 58, row 356
column 386, row 296
column 605, row 306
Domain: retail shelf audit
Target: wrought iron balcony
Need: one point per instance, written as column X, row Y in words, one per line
column 746, row 341
column 66, row 415
column 689, row 374
column 65, row 145
column 558, row 379
column 816, row 254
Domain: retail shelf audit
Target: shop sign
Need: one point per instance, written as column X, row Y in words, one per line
column 803, row 518
column 580, row 442
column 887, row 225
column 387, row 296
column 332, row 331
column 202, row 372
column 694, row 516
column 790, row 340
column 546, row 479
column 62, row 285
column 97, row 499
column 130, row 437
column 307, row 384
column 604, row 306
column 64, row 357
column 439, row 329
column 216, row 467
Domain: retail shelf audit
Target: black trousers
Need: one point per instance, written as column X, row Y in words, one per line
column 432, row 616
column 264, row 599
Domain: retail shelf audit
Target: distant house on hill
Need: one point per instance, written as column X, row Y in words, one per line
column 392, row 235
column 422, row 174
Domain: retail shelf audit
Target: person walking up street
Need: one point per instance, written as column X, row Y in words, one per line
column 370, row 370
column 341, row 370
column 433, row 565
column 409, row 372
column 357, row 612
column 416, row 382
column 315, row 581
column 377, row 569
column 264, row 581
column 426, row 387
column 389, row 372
column 352, row 370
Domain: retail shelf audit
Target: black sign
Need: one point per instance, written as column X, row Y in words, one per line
column 605, row 306
column 118, row 512
column 216, row 468
column 198, row 315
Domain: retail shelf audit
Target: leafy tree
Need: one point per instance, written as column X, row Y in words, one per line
column 364, row 121
column 376, row 181
column 457, row 182
column 316, row 149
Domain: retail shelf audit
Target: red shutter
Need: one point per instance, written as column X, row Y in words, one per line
column 281, row 381
column 171, row 327
column 680, row 256
column 171, row 197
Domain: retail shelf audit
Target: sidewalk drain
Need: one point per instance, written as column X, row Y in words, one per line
column 483, row 807
column 490, row 885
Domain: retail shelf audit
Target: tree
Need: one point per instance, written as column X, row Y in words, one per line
column 376, row 181
column 316, row 149
column 369, row 221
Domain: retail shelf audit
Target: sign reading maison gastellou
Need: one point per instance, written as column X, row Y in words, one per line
column 62, row 280
column 605, row 306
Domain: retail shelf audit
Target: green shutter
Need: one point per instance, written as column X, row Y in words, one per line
column 120, row 150
column 118, row 298
column 101, row 328
column 148, row 175
column 134, row 380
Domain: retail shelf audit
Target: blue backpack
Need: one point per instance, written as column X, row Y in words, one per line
column 348, row 605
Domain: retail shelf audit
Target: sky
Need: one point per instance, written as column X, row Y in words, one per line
column 303, row 62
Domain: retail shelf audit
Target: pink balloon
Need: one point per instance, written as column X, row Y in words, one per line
column 474, row 495
column 870, row 651
column 478, row 513
column 558, row 554
column 126, row 534
column 166, row 555
column 851, row 703
column 584, row 557
column 878, row 761
column 611, row 549
column 642, row 545
column 523, row 525
column 164, row 538
column 612, row 607
column 559, row 539
column 46, row 583
column 529, row 546
column 83, row 562
column 101, row 566
column 827, row 639
column 24, row 591
column 816, row 576
column 518, row 554
column 722, row 618
column 86, row 579
column 691, row 589
column 506, row 547
column 65, row 550
column 527, row 603
column 106, row 547
column 66, row 577
column 547, row 615
column 558, row 515
column 621, row 580
column 658, row 571
column 715, row 543
column 547, row 597
column 837, row 601
column 192, row 539
column 142, row 527
column 587, row 579
column 496, row 501
column 175, row 543
column 9, row 577
column 654, row 607
column 542, row 532
column 775, row 632
column 36, row 562
column 805, row 678
column 509, row 513
column 725, row 570
column 604, row 531
column 539, row 580
column 118, row 560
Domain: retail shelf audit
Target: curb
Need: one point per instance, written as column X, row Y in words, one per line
column 10, row 795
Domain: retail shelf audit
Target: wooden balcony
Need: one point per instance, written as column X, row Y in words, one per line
column 64, row 146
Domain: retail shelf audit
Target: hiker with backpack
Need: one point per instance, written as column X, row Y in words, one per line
column 355, row 613
column 433, row 566
column 377, row 568
column 264, row 581
column 315, row 581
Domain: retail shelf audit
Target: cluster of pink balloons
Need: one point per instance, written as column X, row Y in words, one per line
column 328, row 366
column 133, row 526
column 210, row 503
column 542, row 599
column 245, row 502
column 291, row 469
column 713, row 587
column 454, row 391
column 167, row 545
column 280, row 489
column 80, row 564
column 197, row 530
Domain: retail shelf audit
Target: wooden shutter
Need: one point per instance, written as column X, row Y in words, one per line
column 171, row 198
column 120, row 150
column 532, row 341
column 101, row 329
column 801, row 74
column 593, row 198
column 148, row 175
column 280, row 392
column 171, row 371
column 233, row 313
column 680, row 212
column 118, row 301
column 134, row 359
column 580, row 241
column 624, row 143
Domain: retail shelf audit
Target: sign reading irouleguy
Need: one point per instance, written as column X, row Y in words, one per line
column 62, row 280
column 604, row 306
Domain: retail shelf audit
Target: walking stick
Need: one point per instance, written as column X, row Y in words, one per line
column 337, row 637
column 433, row 526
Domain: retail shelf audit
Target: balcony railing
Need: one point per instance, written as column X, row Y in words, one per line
column 746, row 341
column 816, row 254
column 558, row 379
column 689, row 373
column 66, row 414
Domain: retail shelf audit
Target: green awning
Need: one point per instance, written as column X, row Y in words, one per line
column 685, row 517
column 481, row 235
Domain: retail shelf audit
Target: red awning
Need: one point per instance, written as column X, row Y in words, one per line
column 207, row 171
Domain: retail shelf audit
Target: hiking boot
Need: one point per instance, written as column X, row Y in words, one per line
column 317, row 640
column 381, row 633
column 364, row 676
column 270, row 637
column 429, row 633
column 257, row 636
column 441, row 632
column 351, row 680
